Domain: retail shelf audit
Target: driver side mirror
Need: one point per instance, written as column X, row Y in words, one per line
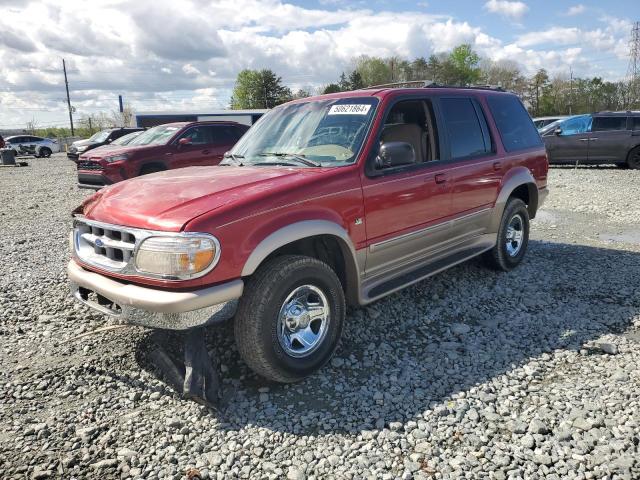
column 184, row 141
column 395, row 154
column 557, row 131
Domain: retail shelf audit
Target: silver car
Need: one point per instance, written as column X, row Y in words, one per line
column 32, row 145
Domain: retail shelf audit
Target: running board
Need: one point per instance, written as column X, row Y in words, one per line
column 421, row 272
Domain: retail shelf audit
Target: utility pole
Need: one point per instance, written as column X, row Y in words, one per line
column 90, row 126
column 570, row 89
column 633, row 72
column 66, row 84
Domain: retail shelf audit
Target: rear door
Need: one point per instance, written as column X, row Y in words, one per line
column 571, row 144
column 609, row 139
column 475, row 169
column 223, row 137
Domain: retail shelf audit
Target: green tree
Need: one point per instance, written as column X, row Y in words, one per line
column 331, row 88
column 259, row 89
column 373, row 70
column 464, row 63
column 355, row 81
column 343, row 83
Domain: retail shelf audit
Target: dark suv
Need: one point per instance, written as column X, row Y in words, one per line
column 165, row 147
column 598, row 138
column 103, row 137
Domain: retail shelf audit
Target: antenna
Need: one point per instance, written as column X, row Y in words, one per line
column 633, row 73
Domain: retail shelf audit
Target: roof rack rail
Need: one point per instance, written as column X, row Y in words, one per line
column 432, row 84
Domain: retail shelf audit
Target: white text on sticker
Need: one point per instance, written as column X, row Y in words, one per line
column 349, row 109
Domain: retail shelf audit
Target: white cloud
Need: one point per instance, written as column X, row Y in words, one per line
column 513, row 10
column 185, row 54
column 576, row 10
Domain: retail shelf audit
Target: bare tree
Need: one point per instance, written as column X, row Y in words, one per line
column 124, row 118
column 32, row 125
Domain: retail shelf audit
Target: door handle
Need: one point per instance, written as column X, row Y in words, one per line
column 168, row 154
column 584, row 139
column 497, row 166
column 440, row 178
column 594, row 138
column 205, row 151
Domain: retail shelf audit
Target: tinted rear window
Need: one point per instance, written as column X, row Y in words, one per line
column 514, row 123
column 601, row 124
column 463, row 127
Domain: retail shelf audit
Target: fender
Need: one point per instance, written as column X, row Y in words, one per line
column 306, row 229
column 513, row 179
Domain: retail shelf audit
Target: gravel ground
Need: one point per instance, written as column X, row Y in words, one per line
column 472, row 374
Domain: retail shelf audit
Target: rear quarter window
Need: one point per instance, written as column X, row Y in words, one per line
column 464, row 128
column 514, row 123
column 602, row 124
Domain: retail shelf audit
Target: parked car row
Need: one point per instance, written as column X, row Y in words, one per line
column 103, row 137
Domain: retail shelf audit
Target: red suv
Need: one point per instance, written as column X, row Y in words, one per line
column 174, row 145
column 326, row 201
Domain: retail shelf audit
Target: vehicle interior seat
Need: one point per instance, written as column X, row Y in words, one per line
column 411, row 133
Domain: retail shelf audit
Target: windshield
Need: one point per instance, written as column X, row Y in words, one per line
column 100, row 136
column 159, row 135
column 125, row 139
column 315, row 133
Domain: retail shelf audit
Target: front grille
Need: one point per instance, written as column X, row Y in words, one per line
column 106, row 246
column 88, row 165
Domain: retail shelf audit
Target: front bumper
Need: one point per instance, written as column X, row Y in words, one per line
column 93, row 180
column 154, row 308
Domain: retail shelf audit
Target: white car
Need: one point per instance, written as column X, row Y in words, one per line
column 32, row 145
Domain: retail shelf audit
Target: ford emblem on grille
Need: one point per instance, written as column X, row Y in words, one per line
column 99, row 242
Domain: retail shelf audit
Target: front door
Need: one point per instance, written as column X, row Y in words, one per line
column 197, row 152
column 406, row 206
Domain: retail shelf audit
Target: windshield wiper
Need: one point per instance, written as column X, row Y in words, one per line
column 235, row 159
column 293, row 156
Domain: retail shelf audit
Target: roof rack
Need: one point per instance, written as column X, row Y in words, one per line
column 432, row 84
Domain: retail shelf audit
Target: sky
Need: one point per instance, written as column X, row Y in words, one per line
column 185, row 54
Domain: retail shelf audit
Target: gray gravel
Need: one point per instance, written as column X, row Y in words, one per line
column 472, row 374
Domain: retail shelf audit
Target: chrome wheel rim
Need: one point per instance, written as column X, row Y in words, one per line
column 303, row 321
column 515, row 235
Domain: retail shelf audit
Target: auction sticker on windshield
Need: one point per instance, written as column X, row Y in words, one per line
column 349, row 109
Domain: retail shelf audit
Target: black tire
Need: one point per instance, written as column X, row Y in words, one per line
column 633, row 159
column 506, row 255
column 257, row 318
column 45, row 152
column 147, row 169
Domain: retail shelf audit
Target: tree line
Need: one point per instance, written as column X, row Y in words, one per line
column 542, row 93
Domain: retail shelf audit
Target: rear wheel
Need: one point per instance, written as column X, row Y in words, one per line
column 45, row 152
column 633, row 159
column 289, row 318
column 513, row 237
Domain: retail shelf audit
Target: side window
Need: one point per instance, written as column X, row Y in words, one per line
column 199, row 135
column 225, row 134
column 636, row 123
column 576, row 125
column 463, row 128
column 409, row 122
column 602, row 124
column 514, row 123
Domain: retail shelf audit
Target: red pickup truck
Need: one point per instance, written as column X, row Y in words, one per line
column 327, row 201
column 173, row 145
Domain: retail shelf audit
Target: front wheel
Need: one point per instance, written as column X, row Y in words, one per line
column 45, row 152
column 290, row 317
column 513, row 237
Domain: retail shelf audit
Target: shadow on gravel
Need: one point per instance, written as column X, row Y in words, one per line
column 452, row 333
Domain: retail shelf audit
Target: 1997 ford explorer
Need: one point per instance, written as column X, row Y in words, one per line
column 327, row 201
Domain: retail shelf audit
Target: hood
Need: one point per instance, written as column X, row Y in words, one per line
column 109, row 150
column 168, row 200
column 82, row 143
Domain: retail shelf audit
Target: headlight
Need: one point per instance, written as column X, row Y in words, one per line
column 81, row 149
column 116, row 158
column 179, row 257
